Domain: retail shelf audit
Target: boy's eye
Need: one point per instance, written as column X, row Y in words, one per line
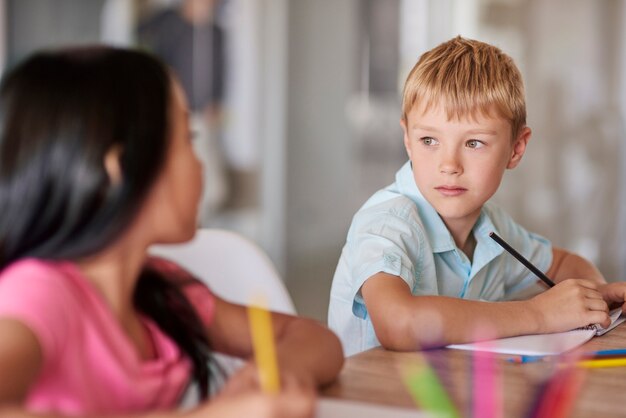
column 474, row 143
column 428, row 141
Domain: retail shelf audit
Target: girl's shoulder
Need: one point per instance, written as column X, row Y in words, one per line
column 35, row 277
column 46, row 296
column 28, row 266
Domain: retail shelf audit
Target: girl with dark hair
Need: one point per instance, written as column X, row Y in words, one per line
column 96, row 165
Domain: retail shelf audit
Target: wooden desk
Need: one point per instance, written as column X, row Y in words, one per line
column 373, row 376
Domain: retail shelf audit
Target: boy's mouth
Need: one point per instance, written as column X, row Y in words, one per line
column 450, row 190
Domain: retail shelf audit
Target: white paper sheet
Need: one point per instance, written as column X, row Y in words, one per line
column 339, row 408
column 542, row 344
column 532, row 345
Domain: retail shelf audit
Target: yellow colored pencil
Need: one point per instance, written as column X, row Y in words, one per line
column 602, row 363
column 264, row 348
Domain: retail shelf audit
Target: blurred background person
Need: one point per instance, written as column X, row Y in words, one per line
column 189, row 39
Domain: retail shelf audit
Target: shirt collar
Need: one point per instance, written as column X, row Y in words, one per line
column 486, row 248
column 438, row 235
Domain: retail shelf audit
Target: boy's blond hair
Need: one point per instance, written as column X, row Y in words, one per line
column 467, row 76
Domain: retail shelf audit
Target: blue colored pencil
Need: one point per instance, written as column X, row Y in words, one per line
column 522, row 359
column 527, row 359
column 603, row 353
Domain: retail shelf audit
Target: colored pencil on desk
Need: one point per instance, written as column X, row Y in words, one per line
column 437, row 360
column 264, row 348
column 486, row 396
column 567, row 385
column 530, row 266
column 426, row 390
column 569, row 394
column 605, row 353
column 522, row 359
column 539, row 400
column 602, row 363
column 556, row 396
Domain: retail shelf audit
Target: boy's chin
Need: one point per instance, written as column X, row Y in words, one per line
column 458, row 214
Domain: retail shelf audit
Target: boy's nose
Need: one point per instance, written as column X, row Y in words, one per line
column 450, row 164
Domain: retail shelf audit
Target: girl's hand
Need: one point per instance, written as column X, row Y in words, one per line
column 247, row 378
column 256, row 404
column 614, row 294
column 570, row 304
column 241, row 397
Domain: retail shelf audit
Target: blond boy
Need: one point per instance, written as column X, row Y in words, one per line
column 418, row 268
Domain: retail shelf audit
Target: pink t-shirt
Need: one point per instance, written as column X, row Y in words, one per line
column 89, row 363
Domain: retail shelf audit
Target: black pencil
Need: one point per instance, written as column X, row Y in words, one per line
column 521, row 259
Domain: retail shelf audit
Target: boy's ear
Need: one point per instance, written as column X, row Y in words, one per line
column 519, row 147
column 112, row 164
column 406, row 137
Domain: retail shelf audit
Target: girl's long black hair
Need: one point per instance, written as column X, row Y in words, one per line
column 60, row 113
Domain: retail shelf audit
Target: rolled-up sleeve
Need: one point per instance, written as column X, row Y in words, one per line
column 382, row 242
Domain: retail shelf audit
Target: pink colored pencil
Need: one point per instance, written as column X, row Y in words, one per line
column 487, row 395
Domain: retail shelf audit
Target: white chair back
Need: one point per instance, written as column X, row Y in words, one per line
column 233, row 267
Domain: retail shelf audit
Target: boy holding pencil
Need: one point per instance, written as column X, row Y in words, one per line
column 419, row 268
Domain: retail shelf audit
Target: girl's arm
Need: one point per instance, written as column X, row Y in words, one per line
column 304, row 347
column 403, row 321
column 21, row 361
column 20, row 364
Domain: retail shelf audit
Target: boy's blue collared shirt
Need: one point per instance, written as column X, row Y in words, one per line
column 398, row 232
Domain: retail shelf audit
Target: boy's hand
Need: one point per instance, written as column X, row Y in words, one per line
column 614, row 294
column 571, row 304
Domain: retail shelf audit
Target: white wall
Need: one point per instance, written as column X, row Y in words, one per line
column 321, row 77
column 274, row 126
